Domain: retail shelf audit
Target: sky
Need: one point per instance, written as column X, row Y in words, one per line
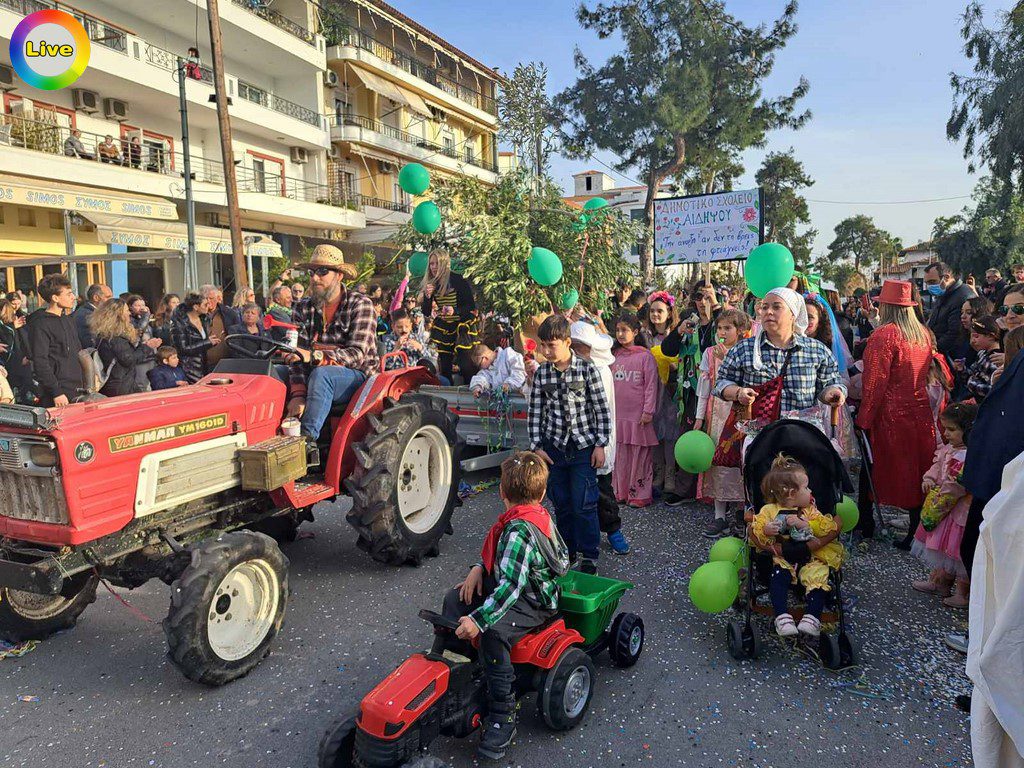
column 880, row 95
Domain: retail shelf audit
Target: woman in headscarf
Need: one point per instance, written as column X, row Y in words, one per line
column 448, row 298
column 895, row 409
column 780, row 353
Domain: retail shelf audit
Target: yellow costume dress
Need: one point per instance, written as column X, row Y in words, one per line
column 814, row 574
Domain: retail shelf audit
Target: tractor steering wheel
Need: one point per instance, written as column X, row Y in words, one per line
column 438, row 620
column 257, row 347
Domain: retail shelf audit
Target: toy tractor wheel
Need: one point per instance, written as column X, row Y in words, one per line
column 567, row 690
column 28, row 616
column 337, row 747
column 828, row 650
column 227, row 607
column 405, row 483
column 626, row 639
column 744, row 640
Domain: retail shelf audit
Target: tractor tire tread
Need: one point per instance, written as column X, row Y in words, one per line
column 14, row 629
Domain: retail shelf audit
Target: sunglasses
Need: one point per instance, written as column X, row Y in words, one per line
column 320, row 271
column 1017, row 309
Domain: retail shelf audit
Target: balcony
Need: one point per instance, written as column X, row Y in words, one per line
column 99, row 31
column 345, row 37
column 367, row 130
column 272, row 101
column 262, row 9
column 146, row 168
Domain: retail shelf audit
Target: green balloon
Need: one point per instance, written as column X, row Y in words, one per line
column 584, row 219
column 544, row 266
column 569, row 299
column 694, row 451
column 769, row 266
column 418, row 263
column 426, row 218
column 594, row 204
column 730, row 550
column 848, row 513
column 714, row 586
column 579, row 226
column 414, row 179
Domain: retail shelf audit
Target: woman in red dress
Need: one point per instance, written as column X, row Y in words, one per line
column 895, row 410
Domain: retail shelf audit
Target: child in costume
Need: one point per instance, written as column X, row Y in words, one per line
column 501, row 369
column 944, row 514
column 402, row 338
column 787, row 495
column 510, row 591
column 720, row 484
column 636, row 399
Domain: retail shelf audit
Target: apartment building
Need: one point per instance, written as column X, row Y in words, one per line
column 398, row 93
column 123, row 197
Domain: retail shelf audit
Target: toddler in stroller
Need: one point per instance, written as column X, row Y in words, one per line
column 792, row 468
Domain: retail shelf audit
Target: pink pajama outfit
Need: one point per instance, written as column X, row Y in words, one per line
column 635, row 373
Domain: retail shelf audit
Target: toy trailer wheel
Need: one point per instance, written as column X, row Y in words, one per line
column 405, row 483
column 337, row 747
column 567, row 690
column 626, row 639
column 227, row 607
column 744, row 642
column 28, row 616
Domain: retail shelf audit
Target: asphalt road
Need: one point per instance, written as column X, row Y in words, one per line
column 108, row 697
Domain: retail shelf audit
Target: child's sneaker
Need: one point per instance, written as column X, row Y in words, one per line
column 673, row 500
column 785, row 625
column 619, row 544
column 716, row 528
column 498, row 730
column 588, row 566
column 809, row 625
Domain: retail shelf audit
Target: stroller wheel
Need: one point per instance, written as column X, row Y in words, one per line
column 847, row 650
column 744, row 640
column 828, row 650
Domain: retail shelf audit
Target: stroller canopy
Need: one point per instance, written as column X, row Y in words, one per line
column 806, row 444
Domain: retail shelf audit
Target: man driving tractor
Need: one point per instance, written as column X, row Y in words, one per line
column 337, row 341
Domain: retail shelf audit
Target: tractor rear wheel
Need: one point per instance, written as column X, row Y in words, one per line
column 405, row 483
column 227, row 607
column 28, row 616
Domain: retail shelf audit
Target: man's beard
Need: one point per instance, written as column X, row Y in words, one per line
column 321, row 295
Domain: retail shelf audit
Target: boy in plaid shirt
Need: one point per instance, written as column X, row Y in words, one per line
column 570, row 425
column 510, row 591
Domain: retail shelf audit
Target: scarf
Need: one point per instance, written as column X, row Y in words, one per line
column 796, row 305
column 839, row 350
column 531, row 513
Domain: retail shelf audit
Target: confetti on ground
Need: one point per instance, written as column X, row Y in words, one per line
column 467, row 491
column 17, row 650
column 28, row 699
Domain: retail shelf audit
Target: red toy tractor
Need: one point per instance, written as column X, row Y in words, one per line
column 152, row 486
column 441, row 692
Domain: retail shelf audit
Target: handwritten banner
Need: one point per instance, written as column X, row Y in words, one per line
column 705, row 228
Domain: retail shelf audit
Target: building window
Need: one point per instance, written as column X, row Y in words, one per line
column 589, row 183
column 636, row 214
column 259, row 174
column 56, row 220
column 348, row 185
column 470, row 155
column 449, row 146
column 26, row 217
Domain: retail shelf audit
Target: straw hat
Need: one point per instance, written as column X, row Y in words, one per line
column 897, row 293
column 328, row 256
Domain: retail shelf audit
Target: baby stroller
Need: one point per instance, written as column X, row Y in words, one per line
column 828, row 480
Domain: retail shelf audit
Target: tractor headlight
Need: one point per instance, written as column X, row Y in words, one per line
column 43, row 455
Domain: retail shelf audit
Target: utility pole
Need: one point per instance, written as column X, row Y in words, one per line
column 191, row 269
column 226, row 150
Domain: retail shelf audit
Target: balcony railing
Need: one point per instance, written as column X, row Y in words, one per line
column 262, row 9
column 53, row 139
column 370, row 124
column 98, row 31
column 388, row 205
column 165, row 59
column 272, row 101
column 415, row 67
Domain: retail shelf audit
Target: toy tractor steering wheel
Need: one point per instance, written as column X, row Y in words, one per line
column 257, row 347
column 435, row 618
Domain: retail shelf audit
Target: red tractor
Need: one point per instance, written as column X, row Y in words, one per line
column 157, row 485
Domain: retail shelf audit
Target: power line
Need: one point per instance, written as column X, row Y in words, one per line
column 890, row 202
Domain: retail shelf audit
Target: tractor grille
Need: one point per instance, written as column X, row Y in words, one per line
column 31, row 497
column 10, row 454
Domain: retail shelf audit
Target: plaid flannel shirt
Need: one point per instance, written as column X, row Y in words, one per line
column 352, row 330
column 979, row 377
column 521, row 572
column 569, row 405
column 812, row 369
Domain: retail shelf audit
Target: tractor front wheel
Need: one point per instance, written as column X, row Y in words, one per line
column 337, row 747
column 227, row 607
column 405, row 483
column 28, row 616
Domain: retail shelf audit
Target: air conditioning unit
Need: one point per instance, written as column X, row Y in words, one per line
column 299, row 155
column 335, row 152
column 386, row 167
column 22, row 108
column 6, row 78
column 439, row 114
column 85, row 101
column 331, row 78
column 115, row 109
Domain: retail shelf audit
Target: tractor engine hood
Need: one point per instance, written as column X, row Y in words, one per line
column 97, row 482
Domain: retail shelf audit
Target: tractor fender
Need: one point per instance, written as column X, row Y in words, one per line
column 543, row 649
column 403, row 696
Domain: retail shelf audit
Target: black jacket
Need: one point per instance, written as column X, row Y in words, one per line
column 191, row 344
column 125, row 356
column 465, row 304
column 82, row 315
column 54, row 342
column 945, row 317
